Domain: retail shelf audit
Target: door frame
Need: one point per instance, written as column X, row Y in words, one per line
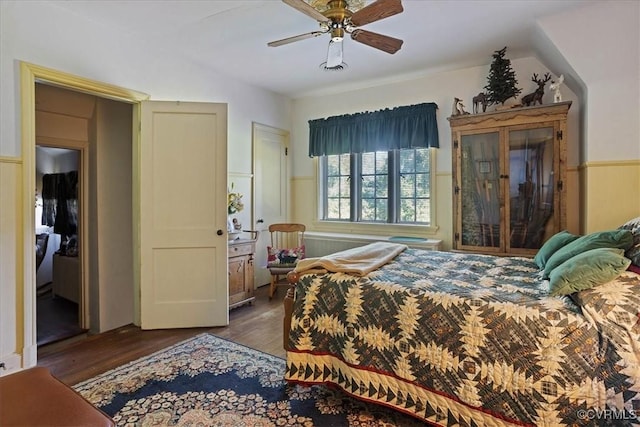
column 263, row 237
column 30, row 74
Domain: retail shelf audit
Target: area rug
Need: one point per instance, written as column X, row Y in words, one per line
column 210, row 381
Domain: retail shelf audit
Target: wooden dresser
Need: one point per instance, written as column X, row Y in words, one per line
column 66, row 277
column 241, row 256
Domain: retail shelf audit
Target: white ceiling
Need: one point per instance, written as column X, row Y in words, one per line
column 231, row 37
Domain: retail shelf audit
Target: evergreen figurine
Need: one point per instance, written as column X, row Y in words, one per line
column 501, row 80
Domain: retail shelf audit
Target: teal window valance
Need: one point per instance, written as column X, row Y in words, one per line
column 412, row 126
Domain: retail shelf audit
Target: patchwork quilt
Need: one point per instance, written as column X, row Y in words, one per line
column 467, row 339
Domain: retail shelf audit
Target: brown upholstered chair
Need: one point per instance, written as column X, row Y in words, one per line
column 287, row 247
column 34, row 397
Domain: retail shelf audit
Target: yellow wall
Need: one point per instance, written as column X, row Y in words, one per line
column 611, row 194
column 10, row 260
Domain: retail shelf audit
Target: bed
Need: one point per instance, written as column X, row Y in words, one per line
column 469, row 339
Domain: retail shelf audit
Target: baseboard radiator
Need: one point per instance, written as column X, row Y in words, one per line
column 318, row 244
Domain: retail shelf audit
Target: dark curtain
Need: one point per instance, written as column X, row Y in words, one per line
column 412, row 126
column 60, row 202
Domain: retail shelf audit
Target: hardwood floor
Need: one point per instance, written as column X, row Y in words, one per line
column 258, row 326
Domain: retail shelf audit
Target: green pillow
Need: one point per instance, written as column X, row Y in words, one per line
column 619, row 239
column 550, row 247
column 586, row 270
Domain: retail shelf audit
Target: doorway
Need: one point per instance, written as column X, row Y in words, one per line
column 271, row 166
column 83, row 177
column 57, row 261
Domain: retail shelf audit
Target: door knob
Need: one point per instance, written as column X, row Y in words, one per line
column 219, row 232
column 260, row 221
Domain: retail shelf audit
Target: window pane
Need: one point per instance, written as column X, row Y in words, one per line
column 333, row 208
column 382, row 165
column 382, row 186
column 345, row 208
column 368, row 210
column 333, row 186
column 410, row 184
column 407, row 161
column 423, row 189
column 338, row 189
column 381, row 210
column 414, row 186
column 368, row 163
column 333, row 165
column 422, row 160
column 368, row 186
column 407, row 210
column 423, row 210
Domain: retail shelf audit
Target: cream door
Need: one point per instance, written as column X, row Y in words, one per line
column 183, row 193
column 271, row 194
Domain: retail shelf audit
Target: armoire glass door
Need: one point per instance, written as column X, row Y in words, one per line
column 531, row 186
column 480, row 190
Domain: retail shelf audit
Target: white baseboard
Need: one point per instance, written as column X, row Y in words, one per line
column 12, row 363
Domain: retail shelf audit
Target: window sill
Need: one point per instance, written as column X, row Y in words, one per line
column 414, row 242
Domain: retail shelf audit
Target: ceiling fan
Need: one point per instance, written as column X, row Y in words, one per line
column 337, row 20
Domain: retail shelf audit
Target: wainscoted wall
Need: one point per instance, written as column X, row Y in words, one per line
column 319, row 244
column 11, row 279
column 614, row 193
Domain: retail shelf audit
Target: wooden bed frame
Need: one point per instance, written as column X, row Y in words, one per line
column 292, row 278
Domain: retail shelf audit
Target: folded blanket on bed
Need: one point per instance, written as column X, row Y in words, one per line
column 358, row 261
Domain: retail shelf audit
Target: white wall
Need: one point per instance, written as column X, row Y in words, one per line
column 602, row 45
column 440, row 88
column 598, row 50
column 45, row 35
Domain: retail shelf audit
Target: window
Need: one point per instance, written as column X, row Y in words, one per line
column 382, row 186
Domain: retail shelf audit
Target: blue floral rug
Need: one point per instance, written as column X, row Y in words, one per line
column 209, row 381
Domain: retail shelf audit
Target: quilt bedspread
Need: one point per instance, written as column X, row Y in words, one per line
column 466, row 339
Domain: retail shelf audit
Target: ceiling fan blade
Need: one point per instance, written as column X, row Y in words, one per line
column 376, row 11
column 334, row 54
column 307, row 9
column 379, row 41
column 296, row 38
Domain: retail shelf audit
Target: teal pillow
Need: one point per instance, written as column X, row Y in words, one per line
column 552, row 245
column 586, row 270
column 619, row 239
column 633, row 253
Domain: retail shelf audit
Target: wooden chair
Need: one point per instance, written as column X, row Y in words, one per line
column 287, row 246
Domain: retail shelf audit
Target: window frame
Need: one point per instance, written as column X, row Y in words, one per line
column 356, row 223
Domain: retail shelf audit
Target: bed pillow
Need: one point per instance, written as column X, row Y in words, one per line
column 586, row 270
column 552, row 245
column 618, row 239
column 284, row 258
column 633, row 253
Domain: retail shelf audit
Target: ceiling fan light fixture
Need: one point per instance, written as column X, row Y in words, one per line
column 340, row 67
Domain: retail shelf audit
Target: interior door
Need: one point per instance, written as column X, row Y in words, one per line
column 271, row 193
column 183, row 194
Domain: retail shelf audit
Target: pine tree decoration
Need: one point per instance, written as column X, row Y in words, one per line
column 501, row 80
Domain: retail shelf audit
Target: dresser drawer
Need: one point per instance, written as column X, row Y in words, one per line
column 240, row 249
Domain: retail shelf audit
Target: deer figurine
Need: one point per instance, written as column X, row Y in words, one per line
column 480, row 99
column 458, row 107
column 536, row 96
column 555, row 87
